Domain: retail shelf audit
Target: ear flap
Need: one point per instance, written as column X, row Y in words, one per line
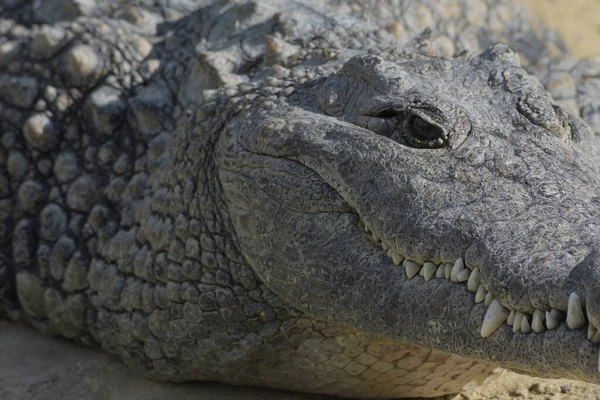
column 579, row 131
column 534, row 105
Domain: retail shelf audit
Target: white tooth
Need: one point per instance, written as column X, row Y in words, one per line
column 596, row 338
column 511, row 318
column 591, row 331
column 480, row 295
column 367, row 228
column 538, row 321
column 463, row 275
column 488, row 299
column 375, row 237
column 517, row 323
column 428, row 270
column 384, row 246
column 441, row 272
column 494, row 317
column 525, row 327
column 458, row 266
column 412, row 268
column 474, row 280
column 551, row 321
column 558, row 314
column 448, row 270
column 575, row 316
column 397, row 258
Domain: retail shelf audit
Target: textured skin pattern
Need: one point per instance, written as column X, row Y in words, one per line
column 146, row 194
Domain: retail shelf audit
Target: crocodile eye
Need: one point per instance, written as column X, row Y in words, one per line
column 414, row 128
column 424, row 134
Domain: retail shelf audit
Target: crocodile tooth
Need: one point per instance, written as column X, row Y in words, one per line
column 488, row 299
column 376, row 238
column 412, row 268
column 525, row 327
column 538, row 321
column 428, row 270
column 517, row 322
column 463, row 275
column 441, row 272
column 474, row 280
column 511, row 318
column 551, row 322
column 596, row 338
column 448, row 270
column 458, row 266
column 361, row 226
column 558, row 314
column 397, row 258
column 385, row 246
column 591, row 331
column 494, row 317
column 575, row 316
column 480, row 295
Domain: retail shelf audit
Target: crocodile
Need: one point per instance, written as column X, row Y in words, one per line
column 368, row 199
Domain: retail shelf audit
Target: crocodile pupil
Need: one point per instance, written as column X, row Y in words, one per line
column 425, row 131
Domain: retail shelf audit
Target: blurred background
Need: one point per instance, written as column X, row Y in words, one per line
column 578, row 22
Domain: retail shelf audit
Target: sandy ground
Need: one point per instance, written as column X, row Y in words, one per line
column 511, row 386
column 33, row 366
column 578, row 22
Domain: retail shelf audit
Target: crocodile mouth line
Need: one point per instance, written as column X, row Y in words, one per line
column 497, row 314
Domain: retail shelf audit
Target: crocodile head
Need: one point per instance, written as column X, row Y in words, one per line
column 446, row 203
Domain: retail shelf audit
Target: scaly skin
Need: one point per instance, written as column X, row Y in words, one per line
column 204, row 190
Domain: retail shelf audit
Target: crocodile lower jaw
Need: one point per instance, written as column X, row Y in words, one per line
column 497, row 314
